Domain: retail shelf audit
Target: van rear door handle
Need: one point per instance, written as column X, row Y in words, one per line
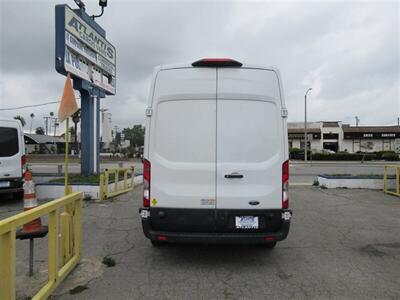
column 233, row 175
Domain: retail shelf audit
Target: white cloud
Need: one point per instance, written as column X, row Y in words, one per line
column 347, row 51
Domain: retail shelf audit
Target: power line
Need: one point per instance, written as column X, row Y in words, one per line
column 28, row 106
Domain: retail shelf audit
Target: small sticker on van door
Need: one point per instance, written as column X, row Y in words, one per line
column 154, row 201
column 207, row 201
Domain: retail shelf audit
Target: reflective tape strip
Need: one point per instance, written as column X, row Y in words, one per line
column 29, row 196
column 29, row 187
column 30, row 203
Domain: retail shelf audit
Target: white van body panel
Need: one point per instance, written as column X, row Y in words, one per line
column 182, row 139
column 249, row 139
column 10, row 166
column 209, row 122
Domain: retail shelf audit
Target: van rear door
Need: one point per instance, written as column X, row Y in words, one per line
column 10, row 153
column 182, row 153
column 250, row 141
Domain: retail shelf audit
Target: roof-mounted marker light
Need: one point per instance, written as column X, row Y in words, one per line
column 217, row 62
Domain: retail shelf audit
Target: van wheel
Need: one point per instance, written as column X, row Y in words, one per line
column 270, row 245
column 157, row 243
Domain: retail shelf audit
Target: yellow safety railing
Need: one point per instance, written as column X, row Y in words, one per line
column 127, row 186
column 386, row 177
column 62, row 256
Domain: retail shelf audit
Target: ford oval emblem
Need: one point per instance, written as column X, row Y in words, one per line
column 254, row 202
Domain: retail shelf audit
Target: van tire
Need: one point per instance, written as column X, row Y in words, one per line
column 270, row 245
column 157, row 243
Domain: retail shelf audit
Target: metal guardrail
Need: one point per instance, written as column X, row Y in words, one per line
column 397, row 178
column 105, row 193
column 63, row 255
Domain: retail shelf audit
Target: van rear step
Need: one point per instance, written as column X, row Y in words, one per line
column 212, row 220
column 216, row 238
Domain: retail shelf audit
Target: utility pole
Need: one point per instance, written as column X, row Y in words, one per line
column 55, row 124
column 47, row 124
column 305, row 124
column 357, row 120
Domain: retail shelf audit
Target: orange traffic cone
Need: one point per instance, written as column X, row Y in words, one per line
column 34, row 228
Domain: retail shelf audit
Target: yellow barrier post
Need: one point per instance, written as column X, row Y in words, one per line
column 132, row 177
column 65, row 237
column 398, row 181
column 7, row 265
column 385, row 171
column 101, row 187
column 125, row 179
column 53, row 245
column 116, row 180
column 107, row 179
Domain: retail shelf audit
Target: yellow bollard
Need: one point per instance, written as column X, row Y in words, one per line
column 385, row 168
column 133, row 177
column 101, row 187
column 125, row 179
column 106, row 179
column 116, row 180
column 65, row 237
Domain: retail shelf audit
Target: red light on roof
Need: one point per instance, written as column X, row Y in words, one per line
column 217, row 62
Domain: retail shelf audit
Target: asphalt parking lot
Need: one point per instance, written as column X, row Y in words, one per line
column 343, row 244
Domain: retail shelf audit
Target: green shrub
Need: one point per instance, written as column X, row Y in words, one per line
column 379, row 154
column 343, row 156
column 390, row 156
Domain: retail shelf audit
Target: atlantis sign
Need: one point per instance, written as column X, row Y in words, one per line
column 83, row 51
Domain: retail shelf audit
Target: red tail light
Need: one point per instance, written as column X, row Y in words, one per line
column 23, row 164
column 146, row 182
column 217, row 62
column 285, row 185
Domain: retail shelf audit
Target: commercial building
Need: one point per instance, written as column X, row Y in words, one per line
column 43, row 144
column 106, row 130
column 336, row 136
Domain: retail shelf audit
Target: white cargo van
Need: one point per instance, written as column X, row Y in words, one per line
column 216, row 155
column 12, row 158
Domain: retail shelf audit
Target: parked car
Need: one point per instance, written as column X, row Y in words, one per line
column 216, row 155
column 12, row 158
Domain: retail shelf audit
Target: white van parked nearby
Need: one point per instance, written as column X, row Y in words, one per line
column 12, row 158
column 216, row 155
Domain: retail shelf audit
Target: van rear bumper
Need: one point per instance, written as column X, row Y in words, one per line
column 217, row 237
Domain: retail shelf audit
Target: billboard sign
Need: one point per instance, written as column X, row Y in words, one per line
column 83, row 50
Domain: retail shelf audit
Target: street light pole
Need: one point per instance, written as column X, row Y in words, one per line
column 305, row 124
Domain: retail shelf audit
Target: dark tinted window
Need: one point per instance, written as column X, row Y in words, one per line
column 331, row 136
column 8, row 141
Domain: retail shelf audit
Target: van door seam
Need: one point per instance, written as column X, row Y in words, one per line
column 216, row 149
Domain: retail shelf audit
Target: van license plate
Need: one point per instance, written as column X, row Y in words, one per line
column 4, row 184
column 246, row 222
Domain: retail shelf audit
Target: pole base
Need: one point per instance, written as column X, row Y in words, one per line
column 23, row 235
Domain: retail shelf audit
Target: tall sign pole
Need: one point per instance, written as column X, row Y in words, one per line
column 83, row 50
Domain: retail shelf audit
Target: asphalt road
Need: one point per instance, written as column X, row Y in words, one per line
column 343, row 244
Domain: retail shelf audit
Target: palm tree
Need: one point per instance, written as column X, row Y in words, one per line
column 21, row 119
column 32, row 115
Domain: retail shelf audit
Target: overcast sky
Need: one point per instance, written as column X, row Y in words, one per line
column 348, row 52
